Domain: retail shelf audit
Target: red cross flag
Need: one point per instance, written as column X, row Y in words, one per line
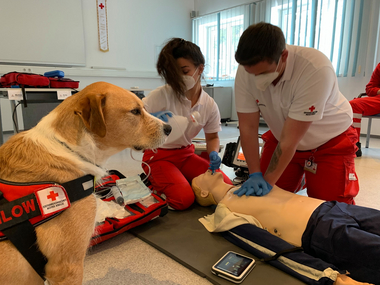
column 102, row 25
column 53, row 199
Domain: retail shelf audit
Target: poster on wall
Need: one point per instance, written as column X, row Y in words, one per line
column 102, row 25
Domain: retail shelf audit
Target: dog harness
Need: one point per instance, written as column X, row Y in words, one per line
column 24, row 206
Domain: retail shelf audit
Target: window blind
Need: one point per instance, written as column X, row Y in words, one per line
column 338, row 28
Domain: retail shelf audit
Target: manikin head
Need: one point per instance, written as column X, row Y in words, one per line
column 209, row 188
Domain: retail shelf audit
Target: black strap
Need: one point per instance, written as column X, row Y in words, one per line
column 23, row 236
column 75, row 188
column 24, row 95
column 278, row 254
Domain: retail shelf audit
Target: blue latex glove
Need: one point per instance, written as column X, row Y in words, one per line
column 254, row 186
column 163, row 115
column 214, row 161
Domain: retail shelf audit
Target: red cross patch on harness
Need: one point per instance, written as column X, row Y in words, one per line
column 53, row 199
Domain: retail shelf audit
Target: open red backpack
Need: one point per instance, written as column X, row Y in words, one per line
column 139, row 213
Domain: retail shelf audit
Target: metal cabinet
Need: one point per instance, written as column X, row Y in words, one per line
column 223, row 98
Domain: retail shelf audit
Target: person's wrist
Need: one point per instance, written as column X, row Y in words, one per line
column 255, row 174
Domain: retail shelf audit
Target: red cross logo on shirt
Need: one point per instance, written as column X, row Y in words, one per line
column 312, row 108
column 257, row 101
column 53, row 196
column 101, row 6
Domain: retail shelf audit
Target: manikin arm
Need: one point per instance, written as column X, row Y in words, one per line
column 345, row 280
column 300, row 265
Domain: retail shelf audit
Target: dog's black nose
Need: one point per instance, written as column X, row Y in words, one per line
column 167, row 129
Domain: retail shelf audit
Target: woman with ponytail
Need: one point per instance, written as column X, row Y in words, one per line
column 183, row 104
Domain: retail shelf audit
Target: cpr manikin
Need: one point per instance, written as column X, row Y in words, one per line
column 280, row 212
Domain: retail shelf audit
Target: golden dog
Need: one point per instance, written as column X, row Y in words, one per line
column 73, row 140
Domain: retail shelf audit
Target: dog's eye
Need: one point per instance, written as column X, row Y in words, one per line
column 136, row 111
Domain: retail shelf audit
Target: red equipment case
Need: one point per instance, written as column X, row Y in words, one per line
column 139, row 212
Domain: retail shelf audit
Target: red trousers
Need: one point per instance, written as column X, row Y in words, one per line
column 172, row 171
column 365, row 106
column 335, row 177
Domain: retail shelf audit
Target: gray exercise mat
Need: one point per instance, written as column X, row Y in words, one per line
column 182, row 237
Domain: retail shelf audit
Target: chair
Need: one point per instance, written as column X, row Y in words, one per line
column 377, row 116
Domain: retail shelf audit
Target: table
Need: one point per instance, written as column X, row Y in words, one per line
column 33, row 95
column 139, row 92
column 43, row 95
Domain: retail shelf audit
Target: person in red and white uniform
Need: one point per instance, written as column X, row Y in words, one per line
column 367, row 106
column 296, row 91
column 174, row 165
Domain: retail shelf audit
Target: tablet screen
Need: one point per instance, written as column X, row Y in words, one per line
column 233, row 263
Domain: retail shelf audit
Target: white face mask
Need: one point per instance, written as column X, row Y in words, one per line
column 189, row 80
column 262, row 81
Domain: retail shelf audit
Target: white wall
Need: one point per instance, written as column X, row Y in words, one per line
column 137, row 29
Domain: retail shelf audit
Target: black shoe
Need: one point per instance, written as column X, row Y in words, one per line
column 359, row 151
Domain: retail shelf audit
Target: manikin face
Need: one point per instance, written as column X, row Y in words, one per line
column 209, row 188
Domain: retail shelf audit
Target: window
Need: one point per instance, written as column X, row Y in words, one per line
column 218, row 35
column 338, row 28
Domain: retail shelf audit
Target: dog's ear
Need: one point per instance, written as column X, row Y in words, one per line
column 90, row 110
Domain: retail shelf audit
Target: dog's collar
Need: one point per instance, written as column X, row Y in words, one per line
column 78, row 154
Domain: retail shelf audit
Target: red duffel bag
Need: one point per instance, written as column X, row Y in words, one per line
column 24, row 80
column 63, row 83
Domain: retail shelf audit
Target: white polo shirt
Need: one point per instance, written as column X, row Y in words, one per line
column 307, row 91
column 164, row 99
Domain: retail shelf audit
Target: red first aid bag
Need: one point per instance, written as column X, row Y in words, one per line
column 140, row 213
column 24, row 80
column 63, row 83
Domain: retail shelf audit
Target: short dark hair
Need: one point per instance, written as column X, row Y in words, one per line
column 167, row 65
column 259, row 42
